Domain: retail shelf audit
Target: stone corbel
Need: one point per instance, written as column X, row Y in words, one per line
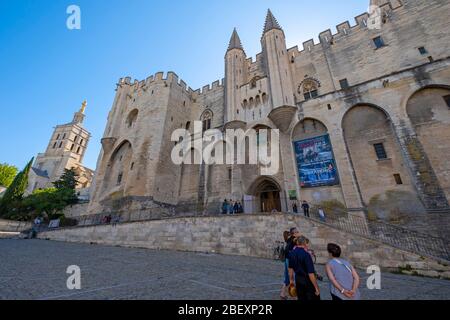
column 108, row 143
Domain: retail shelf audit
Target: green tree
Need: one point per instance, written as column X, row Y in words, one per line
column 7, row 174
column 50, row 202
column 68, row 180
column 16, row 190
column 66, row 185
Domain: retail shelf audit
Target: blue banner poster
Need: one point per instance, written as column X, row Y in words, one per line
column 315, row 162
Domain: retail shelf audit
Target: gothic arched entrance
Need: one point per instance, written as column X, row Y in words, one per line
column 267, row 194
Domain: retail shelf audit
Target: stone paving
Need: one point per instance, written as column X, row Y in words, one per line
column 36, row 269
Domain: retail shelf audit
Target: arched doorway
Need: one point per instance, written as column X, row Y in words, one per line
column 267, row 195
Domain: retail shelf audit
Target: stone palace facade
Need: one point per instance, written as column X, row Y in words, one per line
column 363, row 115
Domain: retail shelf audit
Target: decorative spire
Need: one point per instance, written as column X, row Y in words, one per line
column 271, row 22
column 235, row 41
column 78, row 117
column 83, row 106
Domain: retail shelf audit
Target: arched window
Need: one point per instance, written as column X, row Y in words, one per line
column 257, row 100
column 188, row 125
column 245, row 103
column 131, row 119
column 310, row 88
column 264, row 98
column 206, row 120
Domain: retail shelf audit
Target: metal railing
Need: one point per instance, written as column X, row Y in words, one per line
column 396, row 236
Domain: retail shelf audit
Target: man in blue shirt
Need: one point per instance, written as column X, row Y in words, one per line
column 302, row 266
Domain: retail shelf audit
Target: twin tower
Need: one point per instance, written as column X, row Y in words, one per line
column 267, row 81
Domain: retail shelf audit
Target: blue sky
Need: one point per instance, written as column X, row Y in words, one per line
column 47, row 70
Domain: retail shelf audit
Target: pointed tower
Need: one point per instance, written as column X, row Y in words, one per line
column 277, row 63
column 235, row 75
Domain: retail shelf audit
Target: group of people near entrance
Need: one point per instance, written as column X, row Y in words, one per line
column 300, row 277
column 232, row 207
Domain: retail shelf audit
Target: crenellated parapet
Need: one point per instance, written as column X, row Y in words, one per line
column 345, row 29
column 171, row 80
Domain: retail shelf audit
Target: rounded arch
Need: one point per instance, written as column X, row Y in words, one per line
column 308, row 128
column 363, row 116
column 428, row 110
column 251, row 102
column 120, row 146
column 264, row 98
column 262, row 125
column 429, row 103
column 132, row 117
column 378, row 161
column 416, row 89
column 257, row 100
column 118, row 166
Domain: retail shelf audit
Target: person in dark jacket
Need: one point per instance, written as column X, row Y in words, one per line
column 305, row 207
column 302, row 274
column 289, row 238
column 224, row 206
column 236, row 207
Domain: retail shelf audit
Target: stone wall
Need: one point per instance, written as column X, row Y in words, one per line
column 77, row 210
column 13, row 226
column 255, row 235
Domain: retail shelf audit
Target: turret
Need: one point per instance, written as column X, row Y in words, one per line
column 277, row 63
column 235, row 75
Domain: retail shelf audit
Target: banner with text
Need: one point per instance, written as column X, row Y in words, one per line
column 315, row 162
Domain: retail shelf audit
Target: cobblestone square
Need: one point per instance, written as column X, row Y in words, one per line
column 36, row 269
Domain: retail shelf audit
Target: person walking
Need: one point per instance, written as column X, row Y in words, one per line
column 344, row 280
column 295, row 208
column 302, row 274
column 289, row 239
column 321, row 214
column 305, row 207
